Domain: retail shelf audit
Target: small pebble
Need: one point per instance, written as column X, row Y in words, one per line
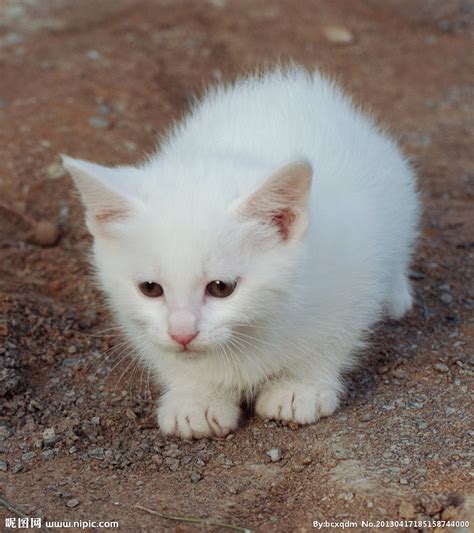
column 346, row 496
column 17, row 467
column 130, row 414
column 73, row 502
column 55, row 171
column 28, row 456
column 104, row 109
column 130, row 146
column 407, row 510
column 399, row 373
column 195, row 477
column 338, row 35
column 44, row 233
column 13, row 38
column 99, row 123
column 297, row 468
column 275, row 454
column 441, row 367
column 172, row 463
column 93, row 55
column 3, row 466
column 49, row 436
column 228, row 463
column 4, row 430
column 341, row 453
column 403, row 481
column 447, row 298
column 109, row 455
column 96, row 453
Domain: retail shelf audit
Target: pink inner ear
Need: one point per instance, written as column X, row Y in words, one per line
column 283, row 221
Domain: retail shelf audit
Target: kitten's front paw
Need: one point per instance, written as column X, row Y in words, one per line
column 191, row 418
column 296, row 402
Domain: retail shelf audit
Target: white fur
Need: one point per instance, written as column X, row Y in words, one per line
column 302, row 305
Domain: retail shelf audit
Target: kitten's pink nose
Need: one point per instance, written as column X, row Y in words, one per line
column 183, row 338
column 183, row 327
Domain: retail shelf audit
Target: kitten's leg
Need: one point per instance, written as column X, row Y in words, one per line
column 400, row 301
column 303, row 402
column 188, row 412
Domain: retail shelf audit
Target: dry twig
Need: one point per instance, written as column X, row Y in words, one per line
column 208, row 522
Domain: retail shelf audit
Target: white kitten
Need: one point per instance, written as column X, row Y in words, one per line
column 251, row 254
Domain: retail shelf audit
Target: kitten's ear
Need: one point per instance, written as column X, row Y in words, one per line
column 105, row 207
column 282, row 200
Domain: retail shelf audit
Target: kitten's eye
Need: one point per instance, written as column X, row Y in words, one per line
column 220, row 289
column 151, row 289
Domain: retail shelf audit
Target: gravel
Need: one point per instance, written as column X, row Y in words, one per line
column 275, row 454
column 96, row 453
column 17, row 467
column 399, row 373
column 44, row 233
column 447, row 298
column 28, row 456
column 407, row 510
column 73, row 502
column 195, row 477
column 55, row 171
column 441, row 367
column 338, row 35
column 99, row 123
column 49, row 437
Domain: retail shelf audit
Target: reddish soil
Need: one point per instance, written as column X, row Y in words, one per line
column 78, row 438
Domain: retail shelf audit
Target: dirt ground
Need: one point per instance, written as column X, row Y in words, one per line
column 78, row 438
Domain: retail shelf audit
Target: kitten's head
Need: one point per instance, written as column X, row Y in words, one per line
column 186, row 264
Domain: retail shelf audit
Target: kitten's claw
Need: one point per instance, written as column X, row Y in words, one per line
column 195, row 419
column 296, row 402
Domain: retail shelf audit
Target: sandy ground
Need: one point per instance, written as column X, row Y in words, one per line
column 78, row 439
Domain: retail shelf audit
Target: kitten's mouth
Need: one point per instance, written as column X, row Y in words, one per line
column 188, row 354
column 189, row 351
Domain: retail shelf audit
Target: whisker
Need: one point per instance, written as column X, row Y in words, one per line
column 249, row 356
column 98, row 357
column 132, row 362
column 100, row 333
